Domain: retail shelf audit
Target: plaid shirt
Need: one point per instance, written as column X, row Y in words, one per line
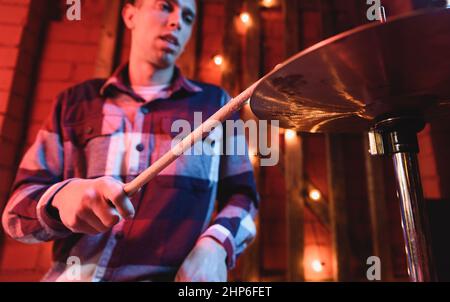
column 88, row 135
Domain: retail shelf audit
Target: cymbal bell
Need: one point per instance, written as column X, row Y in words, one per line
column 347, row 82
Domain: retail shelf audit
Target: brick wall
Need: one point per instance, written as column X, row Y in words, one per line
column 67, row 57
column 17, row 53
column 20, row 32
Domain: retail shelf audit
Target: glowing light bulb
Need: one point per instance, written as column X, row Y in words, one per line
column 290, row 134
column 267, row 3
column 245, row 18
column 315, row 195
column 317, row 266
column 218, row 60
column 253, row 155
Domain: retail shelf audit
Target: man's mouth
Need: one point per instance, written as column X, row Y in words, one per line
column 171, row 39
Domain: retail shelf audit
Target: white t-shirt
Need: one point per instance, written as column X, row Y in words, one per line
column 149, row 93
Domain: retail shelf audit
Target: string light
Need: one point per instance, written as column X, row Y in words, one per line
column 218, row 60
column 315, row 195
column 253, row 155
column 269, row 3
column 317, row 266
column 245, row 18
column 290, row 134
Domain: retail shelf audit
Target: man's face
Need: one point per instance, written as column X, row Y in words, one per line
column 161, row 29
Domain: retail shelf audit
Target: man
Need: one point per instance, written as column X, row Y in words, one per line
column 103, row 133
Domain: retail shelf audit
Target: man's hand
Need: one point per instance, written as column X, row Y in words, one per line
column 205, row 263
column 92, row 206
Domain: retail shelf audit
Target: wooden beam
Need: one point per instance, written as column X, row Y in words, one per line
column 378, row 213
column 329, row 21
column 249, row 262
column 292, row 21
column 293, row 161
column 319, row 208
column 104, row 62
column 188, row 62
column 338, row 207
column 251, row 72
column 232, row 49
column 293, row 173
column 253, row 65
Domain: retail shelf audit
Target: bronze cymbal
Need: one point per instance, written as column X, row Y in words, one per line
column 345, row 83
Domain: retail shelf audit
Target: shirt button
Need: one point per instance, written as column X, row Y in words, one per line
column 119, row 235
column 140, row 147
column 144, row 110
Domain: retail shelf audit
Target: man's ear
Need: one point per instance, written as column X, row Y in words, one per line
column 128, row 15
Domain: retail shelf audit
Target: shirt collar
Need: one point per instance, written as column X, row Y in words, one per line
column 119, row 80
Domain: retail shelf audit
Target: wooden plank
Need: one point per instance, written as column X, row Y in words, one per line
column 232, row 49
column 234, row 79
column 104, row 62
column 292, row 21
column 293, row 161
column 320, row 208
column 188, row 60
column 199, row 36
column 293, row 173
column 349, row 206
column 379, row 213
column 338, row 207
column 249, row 262
column 253, row 65
column 329, row 21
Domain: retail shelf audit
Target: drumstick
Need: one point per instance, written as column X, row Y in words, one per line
column 176, row 151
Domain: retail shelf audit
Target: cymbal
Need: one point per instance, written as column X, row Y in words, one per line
column 347, row 82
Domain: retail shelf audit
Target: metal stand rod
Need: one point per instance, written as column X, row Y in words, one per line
column 411, row 210
column 397, row 136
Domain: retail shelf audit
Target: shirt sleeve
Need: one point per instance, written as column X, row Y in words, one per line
column 28, row 215
column 234, row 226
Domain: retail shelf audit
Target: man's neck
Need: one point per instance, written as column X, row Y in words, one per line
column 145, row 74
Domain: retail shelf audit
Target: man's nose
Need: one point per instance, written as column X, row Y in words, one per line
column 175, row 19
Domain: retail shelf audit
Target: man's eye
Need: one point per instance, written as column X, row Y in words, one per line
column 188, row 18
column 164, row 5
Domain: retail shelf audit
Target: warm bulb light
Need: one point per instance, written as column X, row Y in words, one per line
column 290, row 134
column 252, row 151
column 315, row 195
column 317, row 266
column 218, row 60
column 268, row 3
column 253, row 155
column 245, row 18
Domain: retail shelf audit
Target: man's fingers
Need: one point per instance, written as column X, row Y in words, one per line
column 107, row 214
column 123, row 205
column 82, row 227
column 88, row 217
column 116, row 195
